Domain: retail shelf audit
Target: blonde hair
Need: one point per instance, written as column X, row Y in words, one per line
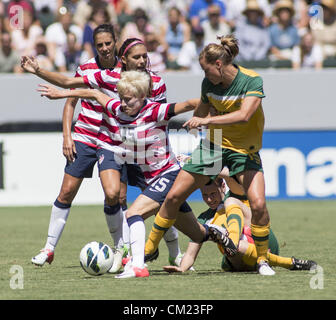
column 135, row 82
column 226, row 51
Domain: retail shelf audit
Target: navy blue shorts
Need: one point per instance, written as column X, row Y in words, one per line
column 135, row 176
column 159, row 189
column 85, row 159
column 106, row 160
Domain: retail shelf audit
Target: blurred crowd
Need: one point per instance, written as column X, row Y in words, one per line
column 271, row 33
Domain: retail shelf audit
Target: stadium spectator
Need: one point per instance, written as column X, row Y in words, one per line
column 253, row 36
column 24, row 39
column 325, row 34
column 156, row 53
column 284, row 34
column 173, row 35
column 9, row 58
column 214, row 26
column 198, row 11
column 73, row 55
column 138, row 27
column 308, row 54
column 56, row 36
column 235, row 8
column 41, row 54
column 84, row 9
column 46, row 11
column 71, row 5
column 13, row 13
column 188, row 56
column 156, row 17
column 99, row 15
column 182, row 5
column 2, row 14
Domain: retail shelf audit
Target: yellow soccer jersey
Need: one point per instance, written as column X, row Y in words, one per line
column 242, row 137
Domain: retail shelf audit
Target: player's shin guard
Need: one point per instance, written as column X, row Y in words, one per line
column 137, row 240
column 58, row 218
column 235, row 220
column 171, row 239
column 160, row 226
column 114, row 220
column 260, row 235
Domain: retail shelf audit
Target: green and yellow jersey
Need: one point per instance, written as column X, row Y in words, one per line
column 241, row 137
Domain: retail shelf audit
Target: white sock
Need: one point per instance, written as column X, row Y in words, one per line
column 171, row 238
column 125, row 231
column 58, row 217
column 137, row 240
column 114, row 220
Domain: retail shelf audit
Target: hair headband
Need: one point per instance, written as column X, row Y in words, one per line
column 132, row 44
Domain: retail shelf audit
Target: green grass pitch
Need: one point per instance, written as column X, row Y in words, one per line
column 305, row 229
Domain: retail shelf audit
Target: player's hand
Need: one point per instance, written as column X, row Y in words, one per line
column 69, row 149
column 196, row 122
column 182, row 157
column 172, row 269
column 49, row 91
column 29, row 64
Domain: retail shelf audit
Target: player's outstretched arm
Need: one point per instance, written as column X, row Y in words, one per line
column 188, row 258
column 53, row 93
column 31, row 65
column 186, row 106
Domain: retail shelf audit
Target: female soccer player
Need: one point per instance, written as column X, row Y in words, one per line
column 133, row 56
column 80, row 151
column 134, row 129
column 233, row 96
column 219, row 203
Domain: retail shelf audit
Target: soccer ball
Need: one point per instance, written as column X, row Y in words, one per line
column 96, row 258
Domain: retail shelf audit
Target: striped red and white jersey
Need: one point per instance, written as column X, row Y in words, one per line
column 90, row 117
column 141, row 139
column 106, row 81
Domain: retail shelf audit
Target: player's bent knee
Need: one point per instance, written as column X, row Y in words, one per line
column 112, row 196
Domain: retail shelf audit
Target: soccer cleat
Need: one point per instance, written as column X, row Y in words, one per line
column 152, row 256
column 220, row 235
column 299, row 264
column 264, row 269
column 133, row 272
column 126, row 260
column 45, row 255
column 117, row 260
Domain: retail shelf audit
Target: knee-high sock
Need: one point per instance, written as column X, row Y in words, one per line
column 160, row 226
column 125, row 228
column 171, row 238
column 250, row 258
column 114, row 220
column 58, row 218
column 137, row 240
column 260, row 235
column 235, row 219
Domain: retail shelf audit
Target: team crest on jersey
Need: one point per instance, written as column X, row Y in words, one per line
column 101, row 159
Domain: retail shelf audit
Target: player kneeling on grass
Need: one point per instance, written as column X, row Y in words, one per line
column 135, row 129
column 231, row 211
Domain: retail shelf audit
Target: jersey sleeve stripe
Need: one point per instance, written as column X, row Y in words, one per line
column 86, row 81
